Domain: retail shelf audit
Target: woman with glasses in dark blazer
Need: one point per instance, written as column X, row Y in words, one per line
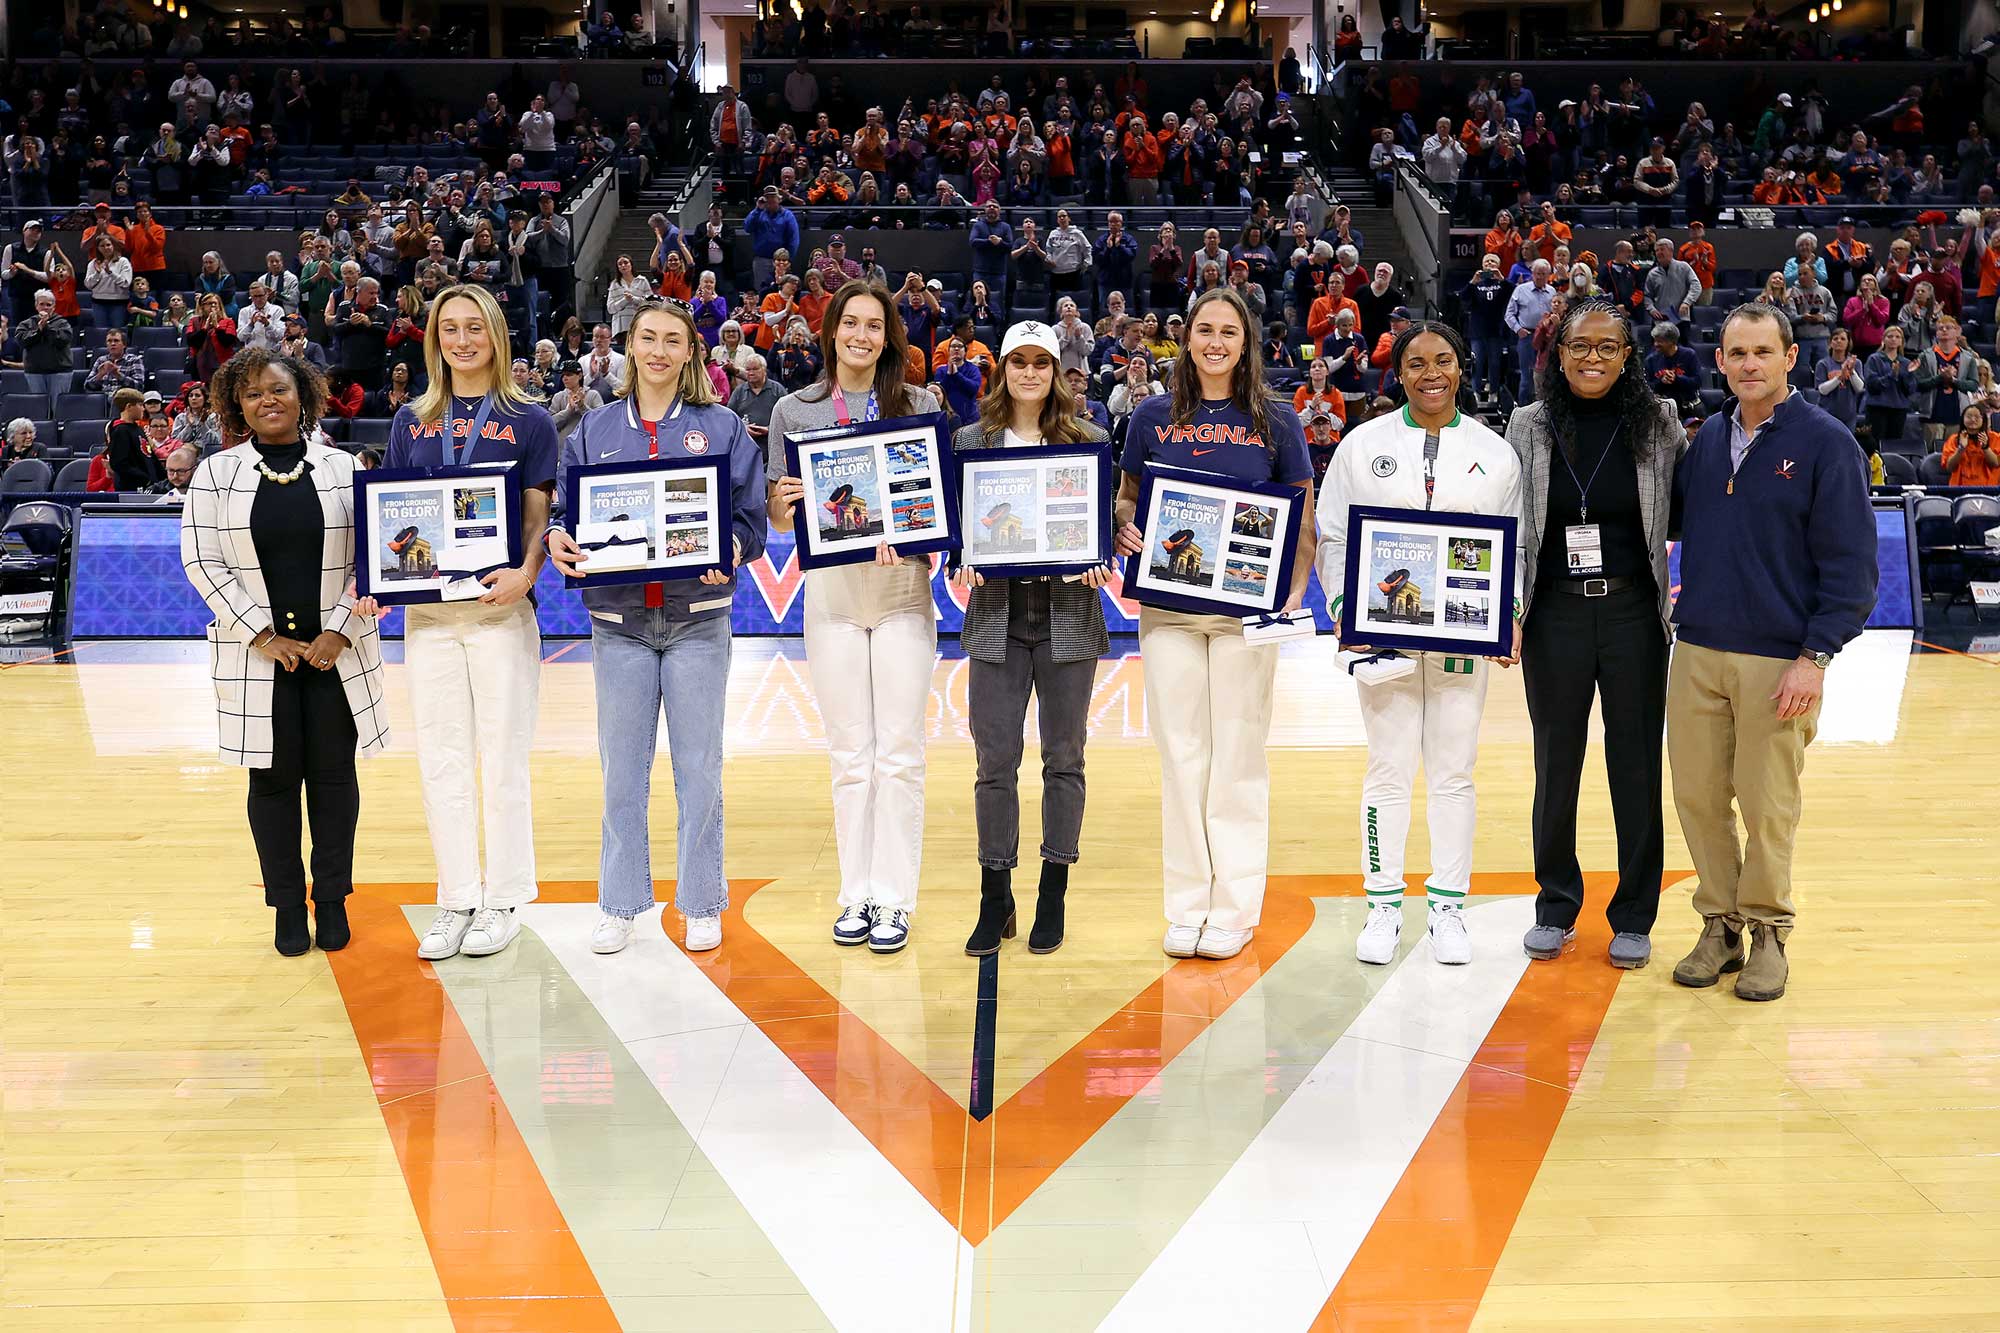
column 1598, row 452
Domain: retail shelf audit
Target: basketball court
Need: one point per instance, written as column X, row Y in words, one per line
column 786, row 1135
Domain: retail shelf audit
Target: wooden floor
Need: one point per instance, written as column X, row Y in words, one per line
column 194, row 1138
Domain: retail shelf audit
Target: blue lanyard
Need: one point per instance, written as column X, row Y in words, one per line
column 872, row 411
column 459, row 455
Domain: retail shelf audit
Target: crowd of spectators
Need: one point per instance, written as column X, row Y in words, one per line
column 1497, row 145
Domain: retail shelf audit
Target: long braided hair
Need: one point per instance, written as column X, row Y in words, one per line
column 1636, row 403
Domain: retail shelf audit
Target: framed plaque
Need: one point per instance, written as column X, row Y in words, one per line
column 1430, row 582
column 871, row 482
column 1214, row 545
column 650, row 520
column 430, row 534
column 1044, row 510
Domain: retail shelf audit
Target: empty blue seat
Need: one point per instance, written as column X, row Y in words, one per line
column 166, row 365
column 368, row 430
column 82, row 405
column 82, row 436
column 30, row 405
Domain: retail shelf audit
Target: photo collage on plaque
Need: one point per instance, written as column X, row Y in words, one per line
column 430, row 530
column 1436, row 581
column 870, row 489
column 650, row 520
column 1211, row 542
column 1028, row 511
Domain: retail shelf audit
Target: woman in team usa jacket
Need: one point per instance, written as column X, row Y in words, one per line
column 663, row 647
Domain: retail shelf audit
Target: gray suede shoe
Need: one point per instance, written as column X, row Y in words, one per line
column 1630, row 951
column 1546, row 942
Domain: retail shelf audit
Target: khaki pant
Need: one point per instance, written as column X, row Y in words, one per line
column 1725, row 742
column 1208, row 703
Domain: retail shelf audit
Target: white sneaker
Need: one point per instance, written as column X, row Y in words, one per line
column 704, row 933
column 613, row 933
column 891, row 930
column 1181, row 941
column 853, row 924
column 1448, row 938
column 492, row 929
column 1219, row 943
column 447, row 932
column 1377, row 943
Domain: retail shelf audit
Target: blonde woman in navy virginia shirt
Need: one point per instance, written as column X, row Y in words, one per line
column 1208, row 693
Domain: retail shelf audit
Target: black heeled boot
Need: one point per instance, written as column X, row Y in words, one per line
column 996, row 913
column 292, row 937
column 330, row 927
column 1047, row 935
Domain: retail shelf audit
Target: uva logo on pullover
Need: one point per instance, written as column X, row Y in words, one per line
column 1785, row 469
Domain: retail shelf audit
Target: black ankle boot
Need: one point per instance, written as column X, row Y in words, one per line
column 330, row 925
column 292, row 937
column 1047, row 935
column 996, row 913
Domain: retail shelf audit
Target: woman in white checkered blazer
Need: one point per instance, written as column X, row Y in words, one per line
column 298, row 675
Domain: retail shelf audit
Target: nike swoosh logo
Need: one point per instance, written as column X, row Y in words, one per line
column 1200, row 452
column 610, row 453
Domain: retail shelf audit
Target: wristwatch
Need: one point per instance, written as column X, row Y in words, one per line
column 1820, row 660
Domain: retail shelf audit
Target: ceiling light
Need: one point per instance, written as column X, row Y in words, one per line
column 1812, row 15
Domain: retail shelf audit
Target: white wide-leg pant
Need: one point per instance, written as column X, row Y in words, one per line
column 1208, row 704
column 475, row 681
column 871, row 647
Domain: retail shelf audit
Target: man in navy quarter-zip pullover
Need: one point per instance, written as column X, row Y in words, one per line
column 1777, row 575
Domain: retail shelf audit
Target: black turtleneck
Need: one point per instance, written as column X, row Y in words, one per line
column 1603, row 463
column 288, row 529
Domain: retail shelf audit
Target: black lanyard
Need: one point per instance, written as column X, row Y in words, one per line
column 1582, row 486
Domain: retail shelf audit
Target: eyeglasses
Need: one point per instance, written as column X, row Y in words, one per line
column 1608, row 350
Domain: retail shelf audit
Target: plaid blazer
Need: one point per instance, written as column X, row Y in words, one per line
column 1076, row 613
column 1536, row 448
column 221, row 562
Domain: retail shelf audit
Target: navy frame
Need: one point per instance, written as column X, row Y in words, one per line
column 719, row 483
column 1095, row 454
column 805, row 526
column 364, row 539
column 1506, row 530
column 1291, row 504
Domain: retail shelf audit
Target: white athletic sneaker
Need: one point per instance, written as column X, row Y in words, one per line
column 613, row 933
column 1448, row 938
column 704, row 933
column 853, row 924
column 1181, row 941
column 1377, row 942
column 492, row 929
column 891, row 931
column 1219, row 943
column 447, row 932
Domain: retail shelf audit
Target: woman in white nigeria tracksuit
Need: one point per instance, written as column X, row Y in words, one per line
column 1432, row 713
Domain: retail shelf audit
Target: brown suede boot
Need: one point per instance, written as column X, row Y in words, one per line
column 1764, row 975
column 1719, row 950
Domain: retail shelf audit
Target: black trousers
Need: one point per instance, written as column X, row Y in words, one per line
column 1612, row 649
column 312, row 744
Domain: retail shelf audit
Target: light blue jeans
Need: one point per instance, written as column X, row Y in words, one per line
column 642, row 664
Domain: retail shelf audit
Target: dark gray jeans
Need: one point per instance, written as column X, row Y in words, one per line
column 999, row 712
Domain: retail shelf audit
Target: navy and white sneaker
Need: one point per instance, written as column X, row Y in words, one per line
column 854, row 923
column 892, row 930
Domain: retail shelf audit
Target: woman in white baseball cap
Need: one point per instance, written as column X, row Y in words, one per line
column 1023, row 635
